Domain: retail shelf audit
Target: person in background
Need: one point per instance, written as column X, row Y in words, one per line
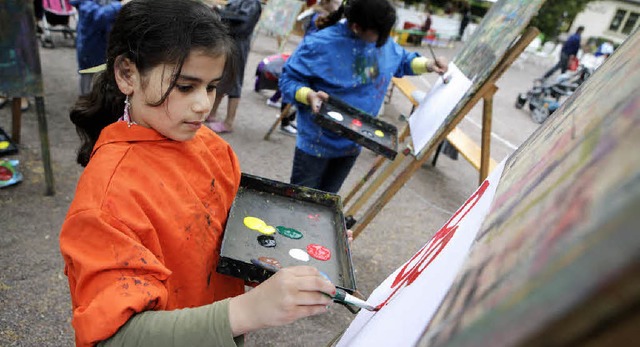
column 320, row 10
column 351, row 59
column 465, row 10
column 569, row 50
column 95, row 18
column 242, row 17
column 142, row 237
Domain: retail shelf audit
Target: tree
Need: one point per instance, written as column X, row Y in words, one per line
column 556, row 17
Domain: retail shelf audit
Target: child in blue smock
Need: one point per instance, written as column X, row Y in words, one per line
column 352, row 60
column 95, row 18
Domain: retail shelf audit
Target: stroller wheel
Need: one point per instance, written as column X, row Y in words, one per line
column 540, row 114
column 521, row 100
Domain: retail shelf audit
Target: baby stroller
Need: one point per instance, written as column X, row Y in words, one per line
column 545, row 97
column 56, row 19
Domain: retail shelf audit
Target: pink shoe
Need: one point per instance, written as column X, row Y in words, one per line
column 218, row 127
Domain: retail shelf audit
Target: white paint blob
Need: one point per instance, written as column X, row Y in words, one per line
column 335, row 115
column 297, row 253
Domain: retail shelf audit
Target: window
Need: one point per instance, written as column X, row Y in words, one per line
column 631, row 22
column 617, row 20
column 624, row 21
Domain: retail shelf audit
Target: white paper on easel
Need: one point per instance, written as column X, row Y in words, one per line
column 413, row 293
column 436, row 106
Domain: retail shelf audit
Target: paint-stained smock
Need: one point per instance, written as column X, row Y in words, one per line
column 334, row 60
column 145, row 227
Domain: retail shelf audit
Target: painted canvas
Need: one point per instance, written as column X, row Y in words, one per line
column 563, row 229
column 415, row 290
column 20, row 71
column 279, row 16
column 499, row 28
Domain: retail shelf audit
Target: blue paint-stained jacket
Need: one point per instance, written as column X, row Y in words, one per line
column 95, row 18
column 335, row 61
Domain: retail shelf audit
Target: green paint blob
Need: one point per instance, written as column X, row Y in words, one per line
column 289, row 232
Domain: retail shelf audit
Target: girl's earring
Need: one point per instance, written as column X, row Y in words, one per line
column 127, row 106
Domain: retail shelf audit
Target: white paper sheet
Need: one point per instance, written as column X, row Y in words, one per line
column 422, row 282
column 436, row 106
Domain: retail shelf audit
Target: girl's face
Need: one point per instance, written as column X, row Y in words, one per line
column 189, row 102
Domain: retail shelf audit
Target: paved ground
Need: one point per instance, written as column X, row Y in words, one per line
column 34, row 299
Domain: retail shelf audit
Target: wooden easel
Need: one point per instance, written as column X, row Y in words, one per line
column 283, row 113
column 485, row 92
column 16, row 122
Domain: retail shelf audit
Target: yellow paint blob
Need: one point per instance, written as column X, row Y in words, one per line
column 258, row 225
column 254, row 223
column 4, row 144
column 268, row 230
column 379, row 133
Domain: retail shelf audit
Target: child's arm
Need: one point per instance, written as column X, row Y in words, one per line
column 290, row 294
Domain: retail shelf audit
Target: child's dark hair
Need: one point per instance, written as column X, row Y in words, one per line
column 149, row 33
column 378, row 15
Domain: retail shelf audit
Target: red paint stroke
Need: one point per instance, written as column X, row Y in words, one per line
column 318, row 252
column 428, row 253
column 356, row 122
column 314, row 216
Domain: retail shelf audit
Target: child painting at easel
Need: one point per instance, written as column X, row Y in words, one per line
column 350, row 59
column 141, row 240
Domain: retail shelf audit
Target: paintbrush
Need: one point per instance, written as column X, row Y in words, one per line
column 445, row 79
column 341, row 295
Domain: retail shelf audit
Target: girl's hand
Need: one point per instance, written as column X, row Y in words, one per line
column 350, row 237
column 439, row 66
column 315, row 100
column 290, row 294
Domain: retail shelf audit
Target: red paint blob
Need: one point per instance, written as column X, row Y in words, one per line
column 356, row 122
column 318, row 252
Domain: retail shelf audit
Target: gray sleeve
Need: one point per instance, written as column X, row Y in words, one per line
column 200, row 326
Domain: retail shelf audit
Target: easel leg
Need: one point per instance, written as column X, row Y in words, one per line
column 376, row 165
column 437, row 153
column 44, row 145
column 487, row 115
column 382, row 200
column 353, row 209
column 283, row 113
column 16, row 120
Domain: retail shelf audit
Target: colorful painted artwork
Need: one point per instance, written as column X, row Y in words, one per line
column 20, row 71
column 410, row 296
column 563, row 225
column 548, row 257
column 279, row 16
column 482, row 53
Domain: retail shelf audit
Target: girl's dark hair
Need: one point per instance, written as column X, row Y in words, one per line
column 149, row 33
column 378, row 15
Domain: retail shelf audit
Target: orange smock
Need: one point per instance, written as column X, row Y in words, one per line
column 145, row 227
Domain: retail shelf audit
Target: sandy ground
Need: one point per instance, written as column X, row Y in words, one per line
column 34, row 297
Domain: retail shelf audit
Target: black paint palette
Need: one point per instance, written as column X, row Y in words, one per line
column 265, row 209
column 360, row 127
column 7, row 147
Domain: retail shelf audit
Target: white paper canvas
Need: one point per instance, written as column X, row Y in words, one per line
column 413, row 293
column 436, row 106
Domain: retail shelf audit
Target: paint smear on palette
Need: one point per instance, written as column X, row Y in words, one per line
column 258, row 225
column 314, row 216
column 319, row 252
column 267, row 241
column 335, row 115
column 297, row 253
column 367, row 133
column 356, row 122
column 379, row 133
column 289, row 232
column 271, row 261
column 4, row 144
